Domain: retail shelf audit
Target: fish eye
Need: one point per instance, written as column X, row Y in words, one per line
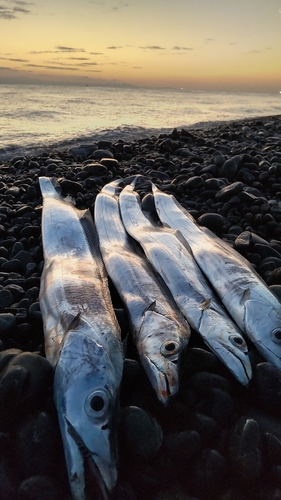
column 276, row 335
column 96, row 403
column 170, row 347
column 238, row 341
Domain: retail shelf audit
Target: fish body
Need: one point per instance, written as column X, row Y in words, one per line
column 82, row 342
column 159, row 330
column 254, row 308
column 171, row 257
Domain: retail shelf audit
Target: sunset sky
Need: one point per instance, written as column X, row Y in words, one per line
column 190, row 44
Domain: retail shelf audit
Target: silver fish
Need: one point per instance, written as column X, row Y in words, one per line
column 159, row 330
column 254, row 308
column 82, row 342
column 171, row 257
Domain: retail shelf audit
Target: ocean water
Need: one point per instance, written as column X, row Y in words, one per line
column 35, row 116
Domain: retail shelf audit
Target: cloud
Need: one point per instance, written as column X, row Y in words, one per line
column 176, row 47
column 58, row 49
column 96, row 53
column 120, row 6
column 255, row 51
column 153, row 47
column 61, row 48
column 209, row 40
column 78, row 58
column 14, row 59
column 137, row 67
column 46, row 66
column 12, row 8
column 114, row 47
column 113, row 8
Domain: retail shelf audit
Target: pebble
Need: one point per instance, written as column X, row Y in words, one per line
column 139, row 433
column 212, row 221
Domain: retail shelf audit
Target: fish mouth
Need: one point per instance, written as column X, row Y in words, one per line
column 86, row 480
column 164, row 382
column 239, row 365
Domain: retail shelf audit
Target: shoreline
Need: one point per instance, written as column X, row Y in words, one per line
column 221, row 441
column 122, row 132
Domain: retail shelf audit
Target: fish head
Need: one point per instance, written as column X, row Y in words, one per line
column 230, row 347
column 161, row 341
column 263, row 326
column 86, row 388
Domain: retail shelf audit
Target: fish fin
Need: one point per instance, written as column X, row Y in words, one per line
column 245, row 296
column 205, row 304
column 151, row 307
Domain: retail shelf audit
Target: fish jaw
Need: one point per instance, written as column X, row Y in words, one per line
column 262, row 323
column 160, row 343
column 86, row 389
column 232, row 350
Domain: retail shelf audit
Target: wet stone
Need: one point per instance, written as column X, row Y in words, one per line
column 71, row 186
column 6, row 298
column 244, row 453
column 99, row 154
column 39, row 487
column 266, row 387
column 272, row 449
column 95, row 169
column 230, row 167
column 182, row 446
column 140, row 433
column 37, row 445
column 209, row 473
column 212, row 221
column 217, row 404
column 7, row 323
column 227, row 192
column 83, row 150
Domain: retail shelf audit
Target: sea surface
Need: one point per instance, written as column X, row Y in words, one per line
column 33, row 117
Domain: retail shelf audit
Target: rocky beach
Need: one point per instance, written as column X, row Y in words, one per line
column 216, row 440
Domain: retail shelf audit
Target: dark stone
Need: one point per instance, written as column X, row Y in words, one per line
column 23, row 384
column 182, row 446
column 217, row 404
column 83, row 150
column 40, row 487
column 266, row 251
column 196, row 359
column 272, row 449
column 99, row 154
column 71, row 186
column 6, row 298
column 139, row 433
column 243, row 242
column 202, row 382
column 194, row 182
column 227, row 192
column 110, row 163
column 209, row 473
column 266, row 387
column 37, row 446
column 95, row 169
column 244, row 453
column 230, row 167
column 11, row 266
column 212, row 221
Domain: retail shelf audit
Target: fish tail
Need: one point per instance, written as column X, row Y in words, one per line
column 50, row 187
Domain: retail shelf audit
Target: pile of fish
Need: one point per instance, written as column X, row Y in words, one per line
column 172, row 276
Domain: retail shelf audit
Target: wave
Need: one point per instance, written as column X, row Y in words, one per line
column 129, row 133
